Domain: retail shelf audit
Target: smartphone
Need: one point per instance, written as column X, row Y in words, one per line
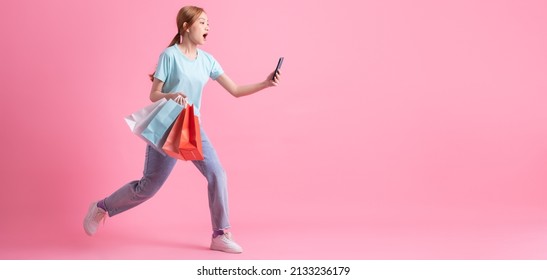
column 279, row 63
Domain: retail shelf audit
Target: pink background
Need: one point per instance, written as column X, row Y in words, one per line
column 401, row 130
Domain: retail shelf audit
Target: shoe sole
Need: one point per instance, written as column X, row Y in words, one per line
column 231, row 252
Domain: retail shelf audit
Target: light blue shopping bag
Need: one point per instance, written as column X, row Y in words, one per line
column 157, row 130
column 153, row 122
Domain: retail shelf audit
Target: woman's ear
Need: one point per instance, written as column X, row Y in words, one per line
column 185, row 26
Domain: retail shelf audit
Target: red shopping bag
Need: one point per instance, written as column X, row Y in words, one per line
column 171, row 145
column 190, row 137
column 184, row 139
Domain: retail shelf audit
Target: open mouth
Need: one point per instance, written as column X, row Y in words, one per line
column 205, row 36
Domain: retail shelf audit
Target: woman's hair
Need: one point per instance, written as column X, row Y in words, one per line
column 188, row 14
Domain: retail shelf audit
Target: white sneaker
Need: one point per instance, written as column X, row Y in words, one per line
column 93, row 218
column 225, row 243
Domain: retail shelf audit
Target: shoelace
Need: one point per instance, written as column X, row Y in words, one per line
column 228, row 236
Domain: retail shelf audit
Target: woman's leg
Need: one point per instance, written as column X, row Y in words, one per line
column 157, row 168
column 217, row 186
column 217, row 189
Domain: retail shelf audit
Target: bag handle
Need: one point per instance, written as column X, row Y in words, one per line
column 182, row 101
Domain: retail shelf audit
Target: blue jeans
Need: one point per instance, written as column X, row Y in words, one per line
column 157, row 168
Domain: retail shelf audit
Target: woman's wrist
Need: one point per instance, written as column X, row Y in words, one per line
column 172, row 96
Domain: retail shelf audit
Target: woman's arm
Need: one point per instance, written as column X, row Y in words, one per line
column 244, row 90
column 156, row 93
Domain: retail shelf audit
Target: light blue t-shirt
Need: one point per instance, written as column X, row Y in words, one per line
column 180, row 74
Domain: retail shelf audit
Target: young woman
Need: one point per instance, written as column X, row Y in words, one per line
column 182, row 72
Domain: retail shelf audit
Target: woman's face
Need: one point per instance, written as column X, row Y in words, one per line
column 199, row 30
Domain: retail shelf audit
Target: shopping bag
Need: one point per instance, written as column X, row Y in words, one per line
column 143, row 116
column 171, row 145
column 190, row 138
column 184, row 139
column 157, row 130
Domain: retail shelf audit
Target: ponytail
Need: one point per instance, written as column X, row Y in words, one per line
column 175, row 40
